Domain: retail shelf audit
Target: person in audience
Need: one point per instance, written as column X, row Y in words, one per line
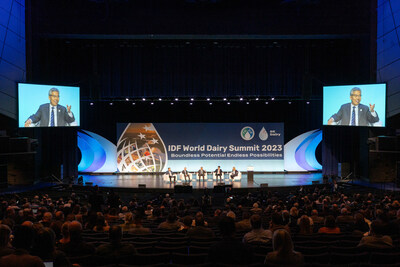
column 257, row 234
column 330, row 226
column 244, row 224
column 229, row 250
column 128, row 224
column 23, row 237
column 305, row 227
column 65, row 234
column 57, row 223
column 47, row 219
column 138, row 228
column 214, row 221
column 200, row 230
column 256, row 209
column 277, row 223
column 283, row 254
column 76, row 246
column 5, row 245
column 376, row 239
column 360, row 226
column 171, row 223
column 116, row 248
column 344, row 217
column 44, row 248
column 187, row 223
column 101, row 224
column 315, row 218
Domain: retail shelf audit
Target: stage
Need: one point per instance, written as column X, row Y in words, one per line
column 154, row 181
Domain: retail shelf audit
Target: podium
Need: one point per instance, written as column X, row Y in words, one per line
column 250, row 174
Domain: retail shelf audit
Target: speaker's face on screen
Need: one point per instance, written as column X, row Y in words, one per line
column 54, row 98
column 355, row 98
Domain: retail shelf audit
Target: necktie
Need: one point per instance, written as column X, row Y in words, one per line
column 353, row 117
column 52, row 117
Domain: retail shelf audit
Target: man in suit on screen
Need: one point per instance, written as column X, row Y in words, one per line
column 52, row 114
column 354, row 113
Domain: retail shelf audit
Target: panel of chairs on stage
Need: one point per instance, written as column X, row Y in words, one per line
column 202, row 176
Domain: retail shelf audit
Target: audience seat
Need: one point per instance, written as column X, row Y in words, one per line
column 349, row 258
column 385, row 258
column 185, row 259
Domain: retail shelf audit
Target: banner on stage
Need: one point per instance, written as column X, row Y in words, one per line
column 153, row 147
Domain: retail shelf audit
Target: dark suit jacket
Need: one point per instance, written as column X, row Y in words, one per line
column 185, row 173
column 364, row 115
column 202, row 172
column 42, row 116
column 216, row 171
column 170, row 173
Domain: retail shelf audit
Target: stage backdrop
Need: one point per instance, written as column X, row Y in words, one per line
column 153, row 147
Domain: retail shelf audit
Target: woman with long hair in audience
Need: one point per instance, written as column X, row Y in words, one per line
column 305, row 227
column 330, row 226
column 283, row 253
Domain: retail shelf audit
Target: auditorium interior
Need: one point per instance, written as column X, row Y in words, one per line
column 199, row 133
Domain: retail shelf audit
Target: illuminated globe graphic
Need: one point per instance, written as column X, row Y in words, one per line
column 141, row 149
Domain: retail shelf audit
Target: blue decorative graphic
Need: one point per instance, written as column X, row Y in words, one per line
column 98, row 154
column 300, row 152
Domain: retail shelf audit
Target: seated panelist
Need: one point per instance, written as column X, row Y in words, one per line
column 201, row 173
column 171, row 175
column 218, row 173
column 234, row 173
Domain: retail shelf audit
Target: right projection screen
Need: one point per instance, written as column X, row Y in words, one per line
column 355, row 105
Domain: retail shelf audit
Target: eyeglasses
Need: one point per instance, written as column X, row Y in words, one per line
column 356, row 95
column 55, row 96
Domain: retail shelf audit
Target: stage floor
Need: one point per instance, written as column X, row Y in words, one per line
column 156, row 180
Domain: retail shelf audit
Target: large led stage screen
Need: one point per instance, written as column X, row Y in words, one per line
column 153, row 147
column 48, row 105
column 355, row 105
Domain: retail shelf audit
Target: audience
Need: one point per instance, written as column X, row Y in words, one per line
column 77, row 220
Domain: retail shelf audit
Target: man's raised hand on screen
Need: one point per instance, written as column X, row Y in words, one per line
column 372, row 107
column 28, row 122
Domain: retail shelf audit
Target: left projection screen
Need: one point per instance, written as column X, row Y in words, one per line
column 42, row 105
